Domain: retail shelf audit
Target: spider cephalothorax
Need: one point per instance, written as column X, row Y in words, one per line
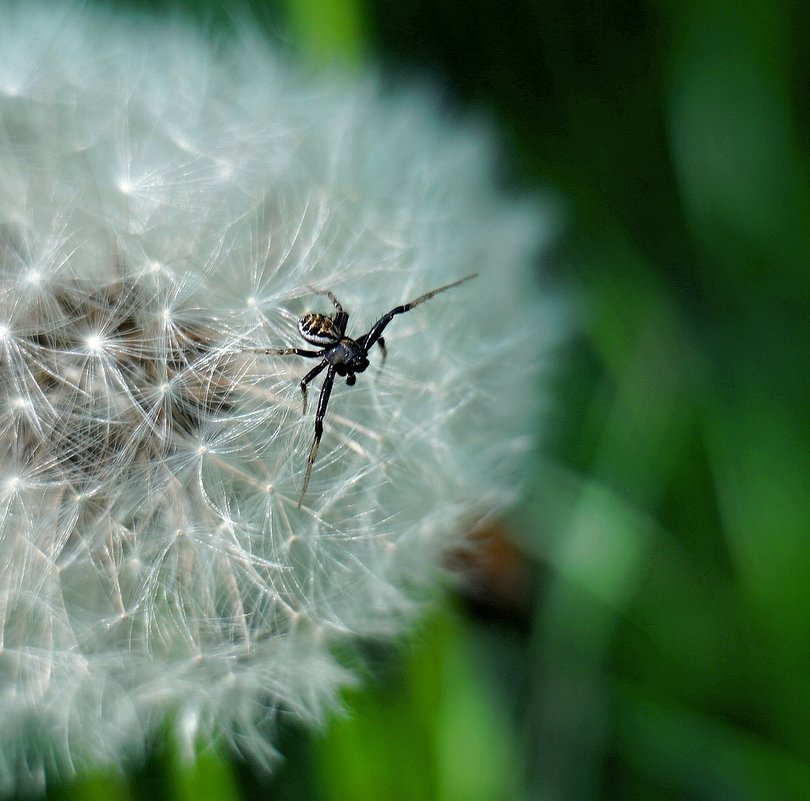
column 340, row 355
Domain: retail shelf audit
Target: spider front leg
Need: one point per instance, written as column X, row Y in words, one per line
column 309, row 354
column 308, row 377
column 323, row 400
column 375, row 334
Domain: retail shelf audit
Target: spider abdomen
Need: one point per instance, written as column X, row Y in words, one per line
column 319, row 329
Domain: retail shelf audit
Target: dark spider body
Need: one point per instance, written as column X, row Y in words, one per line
column 340, row 355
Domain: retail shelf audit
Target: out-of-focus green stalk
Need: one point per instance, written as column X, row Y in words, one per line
column 437, row 731
column 93, row 788
column 207, row 778
column 327, row 30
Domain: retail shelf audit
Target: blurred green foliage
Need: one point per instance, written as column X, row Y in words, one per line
column 664, row 650
column 669, row 646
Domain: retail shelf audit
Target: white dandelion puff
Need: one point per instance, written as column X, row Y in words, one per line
column 166, row 208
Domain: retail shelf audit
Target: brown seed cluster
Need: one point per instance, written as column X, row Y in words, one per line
column 94, row 379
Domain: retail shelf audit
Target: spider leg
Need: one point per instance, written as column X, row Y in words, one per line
column 323, row 400
column 381, row 343
column 308, row 377
column 375, row 333
column 329, row 294
column 342, row 317
column 309, row 354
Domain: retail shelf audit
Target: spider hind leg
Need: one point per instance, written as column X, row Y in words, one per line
column 323, row 401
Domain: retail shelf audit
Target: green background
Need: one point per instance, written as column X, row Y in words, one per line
column 647, row 635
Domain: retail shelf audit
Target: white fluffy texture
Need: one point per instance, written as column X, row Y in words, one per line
column 164, row 205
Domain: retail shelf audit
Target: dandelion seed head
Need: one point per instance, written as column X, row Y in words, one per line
column 168, row 209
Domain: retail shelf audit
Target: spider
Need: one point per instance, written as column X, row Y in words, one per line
column 340, row 355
